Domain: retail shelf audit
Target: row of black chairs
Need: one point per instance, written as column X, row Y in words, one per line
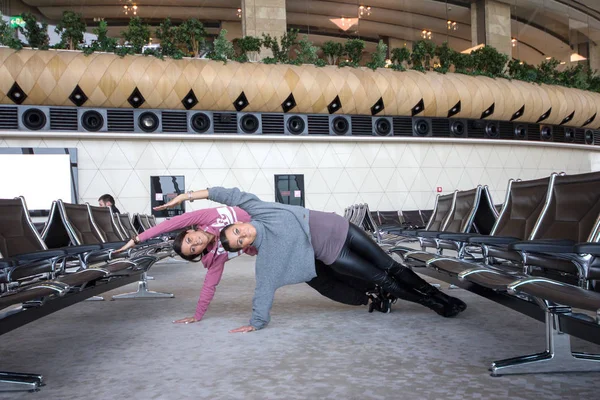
column 541, row 257
column 72, row 259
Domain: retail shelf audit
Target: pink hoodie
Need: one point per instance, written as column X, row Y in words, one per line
column 211, row 220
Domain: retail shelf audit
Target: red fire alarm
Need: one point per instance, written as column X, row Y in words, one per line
column 439, row 189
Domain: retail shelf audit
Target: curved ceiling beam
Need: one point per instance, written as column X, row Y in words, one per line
column 146, row 3
column 112, row 12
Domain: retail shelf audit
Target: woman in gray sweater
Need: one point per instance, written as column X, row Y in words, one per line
column 290, row 238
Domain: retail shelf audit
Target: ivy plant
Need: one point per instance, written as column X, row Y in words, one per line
column 333, row 51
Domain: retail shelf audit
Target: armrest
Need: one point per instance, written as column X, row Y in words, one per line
column 588, row 248
column 460, row 237
column 113, row 245
column 81, row 249
column 428, row 234
column 544, row 246
column 494, row 240
column 39, row 255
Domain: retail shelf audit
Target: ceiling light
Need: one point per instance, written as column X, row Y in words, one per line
column 426, row 34
column 344, row 23
column 239, row 13
column 364, row 10
column 514, row 42
column 452, row 25
column 577, row 57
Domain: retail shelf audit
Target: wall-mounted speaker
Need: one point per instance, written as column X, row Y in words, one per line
column 295, row 124
column 546, row 133
column 458, row 128
column 383, row 126
column 492, row 130
column 588, row 136
column 34, row 118
column 340, row 125
column 200, row 122
column 249, row 123
column 92, row 120
column 147, row 121
column 520, row 131
column 422, row 127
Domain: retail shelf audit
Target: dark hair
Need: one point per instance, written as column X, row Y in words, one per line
column 225, row 242
column 177, row 247
column 106, row 198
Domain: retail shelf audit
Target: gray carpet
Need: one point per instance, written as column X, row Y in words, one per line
column 313, row 348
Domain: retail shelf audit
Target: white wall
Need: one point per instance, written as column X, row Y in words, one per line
column 387, row 176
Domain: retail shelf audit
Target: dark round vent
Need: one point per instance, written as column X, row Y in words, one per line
column 200, row 122
column 491, row 130
column 340, row 125
column 589, row 136
column 569, row 135
column 148, row 121
column 296, row 125
column 421, row 127
column 520, row 132
column 249, row 123
column 383, row 127
column 546, row 133
column 34, row 119
column 92, row 121
column 458, row 128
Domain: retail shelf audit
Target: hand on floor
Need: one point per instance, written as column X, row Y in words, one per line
column 243, row 329
column 188, row 320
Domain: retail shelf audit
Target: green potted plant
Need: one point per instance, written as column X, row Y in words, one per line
column 306, row 53
column 463, row 63
column 444, row 54
column 353, row 51
column 250, row 48
column 378, row 57
column 400, row 57
column 192, row 33
column 280, row 48
column 71, row 28
column 137, row 34
column 168, row 35
column 36, row 35
column 333, row 51
column 222, row 48
column 489, row 61
column 522, row 71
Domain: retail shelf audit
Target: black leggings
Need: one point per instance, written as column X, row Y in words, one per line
column 362, row 258
column 339, row 287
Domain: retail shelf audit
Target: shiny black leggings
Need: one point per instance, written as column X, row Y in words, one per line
column 362, row 258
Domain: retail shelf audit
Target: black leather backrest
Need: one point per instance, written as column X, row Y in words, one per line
column 126, row 222
column 55, row 233
column 463, row 209
column 79, row 220
column 103, row 221
column 523, row 207
column 444, row 206
column 16, row 235
column 389, row 218
column 413, row 218
column 486, row 215
column 426, row 216
column 145, row 222
column 573, row 208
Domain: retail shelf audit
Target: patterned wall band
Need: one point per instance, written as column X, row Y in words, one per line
column 33, row 77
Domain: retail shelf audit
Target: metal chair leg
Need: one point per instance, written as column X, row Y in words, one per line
column 15, row 381
column 143, row 292
column 557, row 357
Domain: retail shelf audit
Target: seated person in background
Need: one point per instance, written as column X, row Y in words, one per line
column 202, row 243
column 106, row 200
column 290, row 238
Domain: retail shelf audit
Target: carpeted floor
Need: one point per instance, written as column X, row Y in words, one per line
column 313, row 348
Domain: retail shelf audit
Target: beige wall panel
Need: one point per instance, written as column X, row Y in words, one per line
column 554, row 95
column 463, row 93
column 406, row 99
column 49, row 77
column 485, row 92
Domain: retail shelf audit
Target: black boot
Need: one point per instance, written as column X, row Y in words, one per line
column 410, row 278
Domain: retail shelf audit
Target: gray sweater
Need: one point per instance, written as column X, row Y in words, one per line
column 285, row 253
